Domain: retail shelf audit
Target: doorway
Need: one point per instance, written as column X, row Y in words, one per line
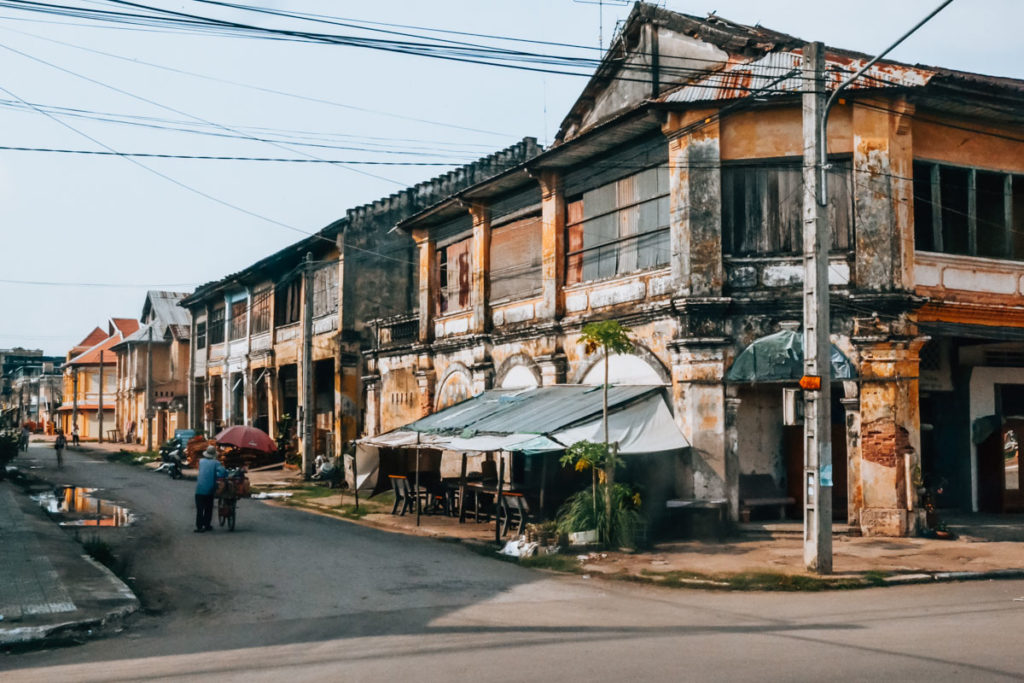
column 793, row 447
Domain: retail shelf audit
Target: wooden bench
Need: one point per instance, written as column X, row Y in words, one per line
column 760, row 490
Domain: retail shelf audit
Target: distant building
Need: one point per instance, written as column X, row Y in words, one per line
column 33, row 387
column 170, row 326
column 89, row 380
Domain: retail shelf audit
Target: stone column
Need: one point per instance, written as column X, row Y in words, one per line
column 426, row 380
column 552, row 246
column 890, row 423
column 371, row 422
column 695, row 200
column 732, row 452
column 698, row 366
column 854, row 491
column 479, row 293
column 428, row 284
column 883, row 192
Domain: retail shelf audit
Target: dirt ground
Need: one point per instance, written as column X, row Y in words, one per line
column 984, row 542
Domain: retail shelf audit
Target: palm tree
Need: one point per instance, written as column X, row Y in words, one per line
column 611, row 337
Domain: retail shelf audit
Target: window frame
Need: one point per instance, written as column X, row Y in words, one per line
column 259, row 308
column 786, row 227
column 576, row 259
column 932, row 209
column 201, row 334
column 215, row 326
column 238, row 328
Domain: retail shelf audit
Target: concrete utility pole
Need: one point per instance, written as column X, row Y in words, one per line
column 99, row 413
column 149, row 388
column 817, row 348
column 308, row 412
column 818, row 399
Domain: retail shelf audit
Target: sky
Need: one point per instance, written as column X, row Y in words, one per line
column 101, row 230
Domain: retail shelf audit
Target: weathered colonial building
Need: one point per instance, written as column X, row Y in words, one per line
column 247, row 329
column 90, row 372
column 162, row 342
column 672, row 200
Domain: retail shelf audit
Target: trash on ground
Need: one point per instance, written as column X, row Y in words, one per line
column 271, row 494
column 519, row 547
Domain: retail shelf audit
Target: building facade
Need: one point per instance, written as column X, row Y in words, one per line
column 162, row 341
column 90, row 375
column 672, row 201
column 248, row 329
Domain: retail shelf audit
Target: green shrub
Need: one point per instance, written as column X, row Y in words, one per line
column 583, row 511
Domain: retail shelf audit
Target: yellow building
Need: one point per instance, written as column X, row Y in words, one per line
column 163, row 341
column 89, row 382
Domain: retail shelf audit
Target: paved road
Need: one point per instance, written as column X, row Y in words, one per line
column 293, row 596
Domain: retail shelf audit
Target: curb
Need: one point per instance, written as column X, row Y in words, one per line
column 947, row 577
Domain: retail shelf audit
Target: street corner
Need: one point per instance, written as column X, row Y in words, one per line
column 50, row 589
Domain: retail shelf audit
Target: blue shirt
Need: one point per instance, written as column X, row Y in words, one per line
column 209, row 470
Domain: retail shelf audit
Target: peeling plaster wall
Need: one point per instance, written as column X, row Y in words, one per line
column 883, row 197
column 759, row 424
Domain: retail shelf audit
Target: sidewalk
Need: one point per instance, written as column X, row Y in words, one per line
column 49, row 589
column 987, row 546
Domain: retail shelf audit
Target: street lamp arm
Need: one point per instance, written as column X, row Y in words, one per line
column 823, row 124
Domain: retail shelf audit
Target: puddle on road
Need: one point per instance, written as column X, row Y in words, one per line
column 78, row 507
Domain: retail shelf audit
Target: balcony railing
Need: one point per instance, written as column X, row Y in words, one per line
column 397, row 330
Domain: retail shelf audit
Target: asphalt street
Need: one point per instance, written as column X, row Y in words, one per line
column 300, row 597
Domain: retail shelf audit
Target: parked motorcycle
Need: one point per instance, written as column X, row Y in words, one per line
column 172, row 453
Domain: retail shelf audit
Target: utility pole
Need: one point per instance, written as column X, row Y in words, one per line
column 149, row 388
column 308, row 412
column 816, row 242
column 99, row 414
column 817, row 371
column 74, row 397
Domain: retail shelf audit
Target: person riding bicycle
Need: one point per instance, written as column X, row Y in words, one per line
column 210, row 470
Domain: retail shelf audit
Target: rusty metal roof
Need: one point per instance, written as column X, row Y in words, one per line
column 778, row 73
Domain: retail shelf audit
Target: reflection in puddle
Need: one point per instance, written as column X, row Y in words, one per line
column 79, row 507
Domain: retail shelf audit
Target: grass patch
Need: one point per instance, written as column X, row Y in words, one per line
column 125, row 457
column 311, row 493
column 556, row 562
column 350, row 511
column 757, row 581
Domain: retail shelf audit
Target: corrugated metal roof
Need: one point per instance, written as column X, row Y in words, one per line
column 540, row 410
column 164, row 305
column 741, row 79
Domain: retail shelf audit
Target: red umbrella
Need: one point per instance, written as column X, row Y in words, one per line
column 247, row 437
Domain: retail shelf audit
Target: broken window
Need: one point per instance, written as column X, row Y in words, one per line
column 516, row 259
column 288, row 302
column 325, row 290
column 968, row 211
column 216, row 327
column 762, row 207
column 619, row 228
column 239, row 309
column 453, row 277
column 261, row 311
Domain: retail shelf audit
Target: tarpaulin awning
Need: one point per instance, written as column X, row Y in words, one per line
column 780, row 357
column 544, row 419
column 531, row 421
